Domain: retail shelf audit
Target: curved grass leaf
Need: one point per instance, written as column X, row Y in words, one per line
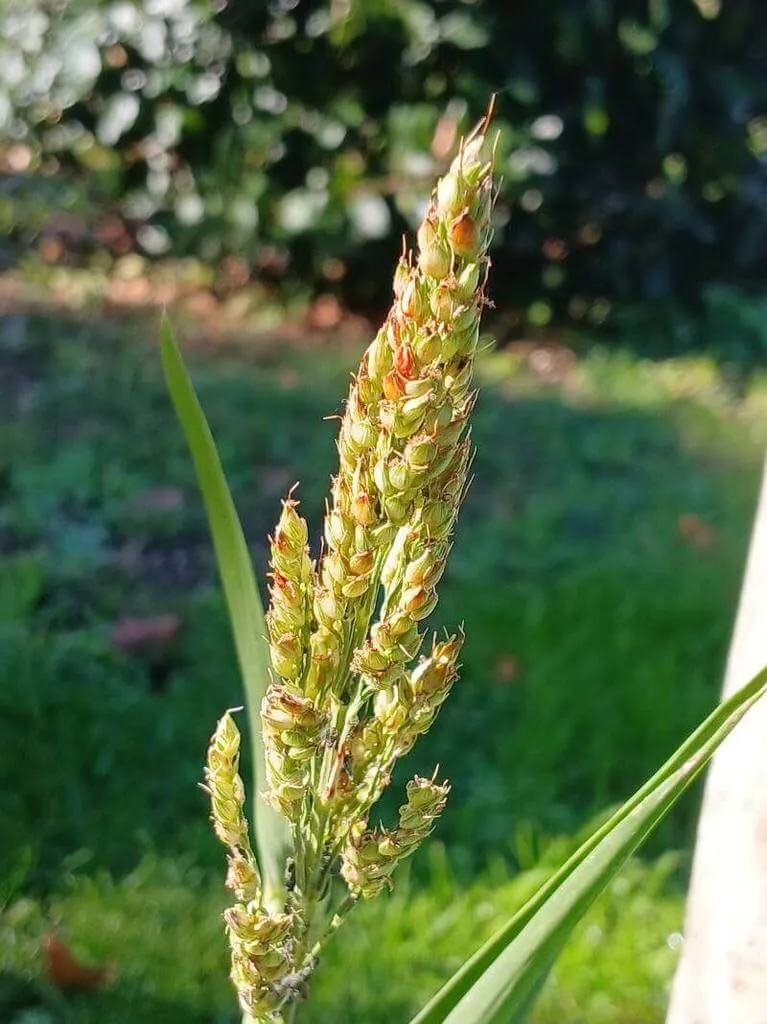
column 499, row 983
column 246, row 613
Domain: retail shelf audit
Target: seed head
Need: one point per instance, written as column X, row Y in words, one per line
column 290, row 540
column 260, row 958
column 468, row 281
column 291, row 728
column 443, row 303
column 435, row 674
column 464, row 236
column 227, row 799
column 434, row 257
column 401, row 276
column 380, row 356
column 290, row 593
column 346, row 701
column 393, row 385
column 370, row 857
column 450, row 194
column 364, row 509
column 404, row 362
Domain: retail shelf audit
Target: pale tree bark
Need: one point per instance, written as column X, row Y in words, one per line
column 722, row 976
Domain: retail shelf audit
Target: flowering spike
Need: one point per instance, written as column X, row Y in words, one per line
column 370, row 857
column 259, row 944
column 291, row 591
column 291, row 729
column 347, row 701
column 227, row 798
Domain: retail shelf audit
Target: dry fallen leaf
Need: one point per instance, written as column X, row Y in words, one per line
column 137, row 636
column 159, row 499
column 696, row 531
column 506, row 669
column 69, row 974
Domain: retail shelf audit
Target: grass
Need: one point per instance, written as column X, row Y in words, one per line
column 596, row 568
column 159, row 925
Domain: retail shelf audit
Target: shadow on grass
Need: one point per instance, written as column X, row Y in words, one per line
column 22, row 999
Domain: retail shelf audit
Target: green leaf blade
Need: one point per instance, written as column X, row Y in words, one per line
column 238, row 580
column 499, row 982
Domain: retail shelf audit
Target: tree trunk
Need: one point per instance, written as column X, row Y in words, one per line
column 722, row 976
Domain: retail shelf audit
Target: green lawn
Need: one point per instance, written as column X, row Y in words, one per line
column 596, row 569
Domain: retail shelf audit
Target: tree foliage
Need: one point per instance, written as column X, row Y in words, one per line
column 633, row 147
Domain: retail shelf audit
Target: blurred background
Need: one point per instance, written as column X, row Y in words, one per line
column 252, row 167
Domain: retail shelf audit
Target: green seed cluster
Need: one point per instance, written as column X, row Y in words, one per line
column 347, row 699
column 290, row 596
column 260, row 943
column 370, row 857
column 227, row 798
column 261, row 946
column 291, row 729
column 401, row 713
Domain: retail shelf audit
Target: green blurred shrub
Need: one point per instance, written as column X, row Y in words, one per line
column 292, row 133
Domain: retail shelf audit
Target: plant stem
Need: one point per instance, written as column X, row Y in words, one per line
column 336, row 919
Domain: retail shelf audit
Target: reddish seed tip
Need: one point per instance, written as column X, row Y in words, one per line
column 363, row 510
column 464, row 236
column 393, row 385
column 404, row 361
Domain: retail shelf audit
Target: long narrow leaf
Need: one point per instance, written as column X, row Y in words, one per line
column 498, row 984
column 240, row 590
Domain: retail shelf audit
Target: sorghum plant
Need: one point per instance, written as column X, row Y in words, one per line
column 348, row 698
column 345, row 699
